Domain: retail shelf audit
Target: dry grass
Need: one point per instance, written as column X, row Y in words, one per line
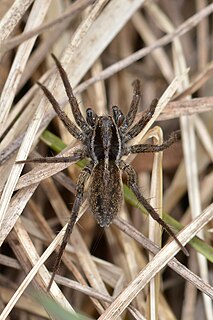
column 104, row 46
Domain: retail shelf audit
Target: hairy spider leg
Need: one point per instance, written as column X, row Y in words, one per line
column 52, row 159
column 136, row 129
column 132, row 183
column 72, row 99
column 130, row 117
column 142, row 148
column 83, row 177
column 73, row 130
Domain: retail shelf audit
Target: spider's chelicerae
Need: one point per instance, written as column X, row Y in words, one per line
column 104, row 142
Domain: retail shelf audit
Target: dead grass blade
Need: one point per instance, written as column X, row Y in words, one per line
column 119, row 41
column 72, row 9
column 185, row 27
column 155, row 232
column 189, row 143
column 37, row 15
column 37, row 263
column 12, row 17
column 174, row 263
column 154, row 266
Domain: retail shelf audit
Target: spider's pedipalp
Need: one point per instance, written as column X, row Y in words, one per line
column 91, row 117
column 118, row 116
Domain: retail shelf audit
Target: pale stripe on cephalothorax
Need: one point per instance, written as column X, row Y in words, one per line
column 118, row 157
column 92, row 149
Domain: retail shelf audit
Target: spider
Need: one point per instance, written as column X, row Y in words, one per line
column 104, row 142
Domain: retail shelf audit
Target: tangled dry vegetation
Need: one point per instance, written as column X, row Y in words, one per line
column 104, row 46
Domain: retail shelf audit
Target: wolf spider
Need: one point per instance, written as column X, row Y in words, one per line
column 104, row 141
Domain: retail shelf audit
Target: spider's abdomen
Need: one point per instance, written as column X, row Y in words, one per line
column 105, row 195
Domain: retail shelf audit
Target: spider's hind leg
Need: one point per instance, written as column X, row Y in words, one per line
column 132, row 182
column 83, row 177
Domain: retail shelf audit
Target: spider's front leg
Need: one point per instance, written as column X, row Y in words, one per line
column 132, row 182
column 72, row 99
column 142, row 148
column 73, row 130
column 137, row 128
column 130, row 117
column 83, row 177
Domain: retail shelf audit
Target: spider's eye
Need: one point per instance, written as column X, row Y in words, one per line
column 91, row 117
column 118, row 116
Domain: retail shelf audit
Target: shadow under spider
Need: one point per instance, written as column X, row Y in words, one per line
column 104, row 141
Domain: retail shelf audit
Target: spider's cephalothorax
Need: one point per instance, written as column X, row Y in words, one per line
column 104, row 141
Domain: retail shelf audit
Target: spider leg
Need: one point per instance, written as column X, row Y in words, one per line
column 130, row 117
column 52, row 159
column 73, row 130
column 142, row 148
column 72, row 99
column 136, row 129
column 84, row 175
column 132, row 182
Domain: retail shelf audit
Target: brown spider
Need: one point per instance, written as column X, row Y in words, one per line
column 104, row 141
